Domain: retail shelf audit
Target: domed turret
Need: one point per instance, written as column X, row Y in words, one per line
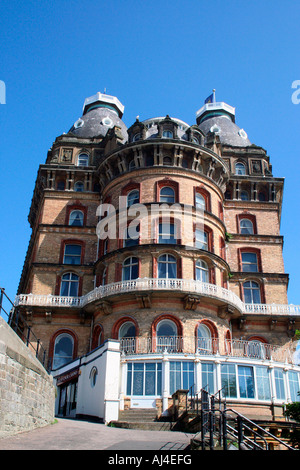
column 219, row 117
column 101, row 112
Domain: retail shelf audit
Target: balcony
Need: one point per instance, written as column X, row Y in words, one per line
column 205, row 347
column 136, row 286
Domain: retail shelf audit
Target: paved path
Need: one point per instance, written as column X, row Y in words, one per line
column 70, row 434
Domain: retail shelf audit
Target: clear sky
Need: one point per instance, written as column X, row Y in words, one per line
column 159, row 57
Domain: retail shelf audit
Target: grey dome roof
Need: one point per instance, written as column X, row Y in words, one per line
column 97, row 122
column 227, row 130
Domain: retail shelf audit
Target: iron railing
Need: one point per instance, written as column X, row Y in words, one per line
column 17, row 322
column 222, row 425
column 205, row 346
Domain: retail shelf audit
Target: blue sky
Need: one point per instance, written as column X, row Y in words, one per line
column 159, row 57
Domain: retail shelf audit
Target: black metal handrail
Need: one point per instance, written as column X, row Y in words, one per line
column 18, row 323
column 216, row 421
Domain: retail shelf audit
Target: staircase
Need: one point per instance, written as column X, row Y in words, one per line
column 141, row 418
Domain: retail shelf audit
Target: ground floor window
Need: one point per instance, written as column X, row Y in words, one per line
column 279, row 384
column 208, row 377
column 144, row 379
column 263, row 383
column 294, row 385
column 181, row 375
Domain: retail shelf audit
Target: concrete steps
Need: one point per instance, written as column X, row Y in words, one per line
column 141, row 418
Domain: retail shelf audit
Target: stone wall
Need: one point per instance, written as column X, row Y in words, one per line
column 27, row 392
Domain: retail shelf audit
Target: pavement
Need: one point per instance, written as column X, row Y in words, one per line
column 70, row 434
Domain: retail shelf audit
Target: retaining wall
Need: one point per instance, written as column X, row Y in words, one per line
column 27, row 392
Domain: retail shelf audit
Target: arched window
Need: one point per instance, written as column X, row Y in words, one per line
column 69, row 285
column 168, row 134
column 83, row 159
column 167, row 195
column 79, row 186
column 167, row 161
column 240, row 169
column 202, row 272
column 132, row 165
column 246, row 227
column 130, row 269
column 136, row 137
column 201, row 239
column 133, row 197
column 244, row 196
column 167, row 337
column 251, row 292
column 76, row 218
column 200, row 201
column 127, row 330
column 63, row 350
column 167, row 267
column 204, row 339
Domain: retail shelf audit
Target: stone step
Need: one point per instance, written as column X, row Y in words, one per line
column 145, row 426
column 138, row 414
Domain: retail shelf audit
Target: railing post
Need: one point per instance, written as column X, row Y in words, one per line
column 28, row 335
column 37, row 348
column 224, row 428
column 240, row 431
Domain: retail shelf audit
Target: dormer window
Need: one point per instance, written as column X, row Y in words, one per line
column 240, row 169
column 136, row 137
column 83, row 159
column 168, row 134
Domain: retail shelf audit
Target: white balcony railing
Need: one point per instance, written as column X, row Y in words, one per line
column 187, row 286
column 206, row 346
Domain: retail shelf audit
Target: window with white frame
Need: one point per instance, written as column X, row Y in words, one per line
column 279, row 384
column 201, row 239
column 240, row 168
column 167, row 267
column 208, row 376
column 204, row 339
column 167, row 195
column 63, row 350
column 293, row 378
column 246, row 227
column 251, row 292
column 181, row 375
column 200, row 201
column 144, row 379
column 130, row 269
column 167, row 233
column 83, row 159
column 69, row 285
column 202, row 271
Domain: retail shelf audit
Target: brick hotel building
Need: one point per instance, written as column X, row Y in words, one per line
column 126, row 321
